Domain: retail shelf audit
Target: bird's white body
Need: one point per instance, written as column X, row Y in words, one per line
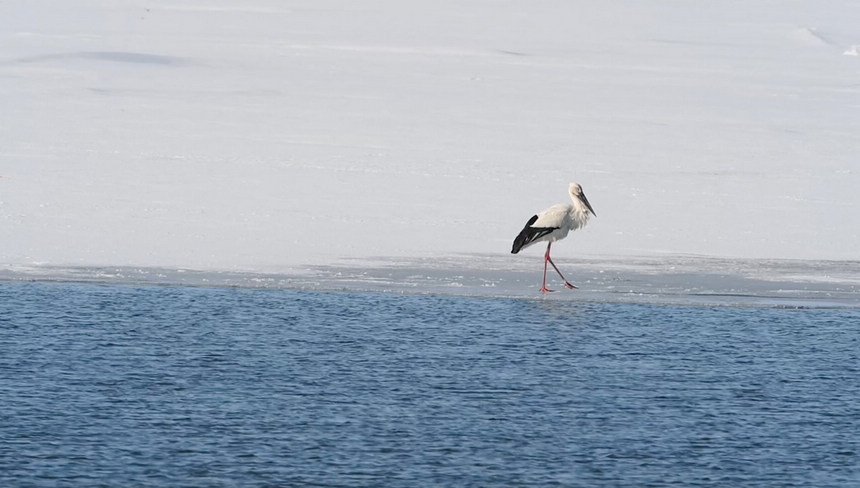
column 564, row 218
column 554, row 224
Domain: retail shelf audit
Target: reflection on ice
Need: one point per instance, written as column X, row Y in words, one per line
column 670, row 280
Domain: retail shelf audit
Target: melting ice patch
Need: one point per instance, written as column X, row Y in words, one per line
column 683, row 280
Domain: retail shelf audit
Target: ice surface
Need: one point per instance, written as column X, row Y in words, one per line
column 272, row 137
column 677, row 280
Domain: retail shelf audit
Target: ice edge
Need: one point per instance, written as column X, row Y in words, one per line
column 671, row 280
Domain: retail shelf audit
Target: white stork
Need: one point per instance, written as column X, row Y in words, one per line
column 553, row 224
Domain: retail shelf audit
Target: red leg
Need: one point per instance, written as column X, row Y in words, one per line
column 543, row 287
column 547, row 258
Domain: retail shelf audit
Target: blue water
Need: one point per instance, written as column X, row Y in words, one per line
column 180, row 386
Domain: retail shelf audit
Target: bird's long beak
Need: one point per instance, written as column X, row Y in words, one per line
column 585, row 201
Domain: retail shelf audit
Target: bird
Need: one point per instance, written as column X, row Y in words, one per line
column 553, row 224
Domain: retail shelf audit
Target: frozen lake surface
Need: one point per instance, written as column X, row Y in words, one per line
column 659, row 280
column 129, row 385
column 268, row 135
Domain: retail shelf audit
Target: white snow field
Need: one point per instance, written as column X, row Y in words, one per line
column 273, row 136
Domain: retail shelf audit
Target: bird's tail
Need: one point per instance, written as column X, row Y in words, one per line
column 519, row 242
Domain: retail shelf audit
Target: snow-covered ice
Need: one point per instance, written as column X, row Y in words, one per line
column 275, row 136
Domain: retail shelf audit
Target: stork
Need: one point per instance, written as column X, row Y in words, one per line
column 553, row 224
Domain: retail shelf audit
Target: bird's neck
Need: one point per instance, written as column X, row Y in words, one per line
column 579, row 214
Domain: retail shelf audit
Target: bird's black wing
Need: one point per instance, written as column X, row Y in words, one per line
column 530, row 234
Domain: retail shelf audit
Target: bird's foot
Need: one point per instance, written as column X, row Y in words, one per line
column 569, row 286
column 544, row 289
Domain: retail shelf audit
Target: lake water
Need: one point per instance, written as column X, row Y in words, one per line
column 123, row 385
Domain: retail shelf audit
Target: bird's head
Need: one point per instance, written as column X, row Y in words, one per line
column 578, row 196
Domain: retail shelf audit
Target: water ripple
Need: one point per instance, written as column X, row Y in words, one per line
column 106, row 385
